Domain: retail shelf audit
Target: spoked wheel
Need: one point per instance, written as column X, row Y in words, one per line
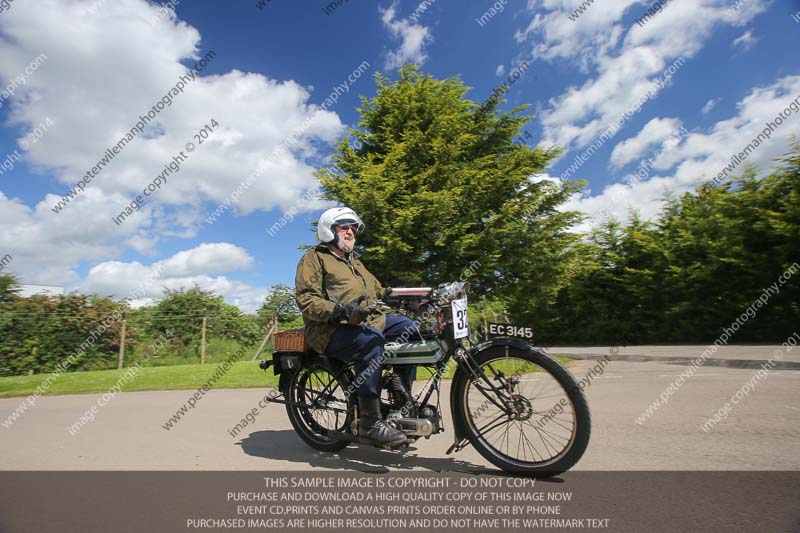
column 321, row 405
column 539, row 426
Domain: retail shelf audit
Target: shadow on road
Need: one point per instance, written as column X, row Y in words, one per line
column 285, row 445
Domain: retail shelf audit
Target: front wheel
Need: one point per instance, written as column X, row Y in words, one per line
column 538, row 426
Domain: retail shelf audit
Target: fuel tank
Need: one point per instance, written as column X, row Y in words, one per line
column 417, row 352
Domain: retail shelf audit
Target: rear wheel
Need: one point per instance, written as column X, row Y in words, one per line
column 321, row 405
column 539, row 426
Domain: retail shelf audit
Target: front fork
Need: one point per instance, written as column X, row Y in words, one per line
column 489, row 390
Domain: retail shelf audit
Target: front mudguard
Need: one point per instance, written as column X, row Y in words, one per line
column 460, row 431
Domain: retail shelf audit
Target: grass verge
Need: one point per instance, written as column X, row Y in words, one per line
column 243, row 374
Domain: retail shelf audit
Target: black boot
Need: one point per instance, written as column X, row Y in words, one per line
column 401, row 399
column 372, row 427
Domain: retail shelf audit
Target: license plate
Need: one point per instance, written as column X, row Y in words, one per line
column 510, row 330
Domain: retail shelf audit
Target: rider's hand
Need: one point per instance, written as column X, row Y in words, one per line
column 353, row 313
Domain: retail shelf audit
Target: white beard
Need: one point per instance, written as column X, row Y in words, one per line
column 347, row 246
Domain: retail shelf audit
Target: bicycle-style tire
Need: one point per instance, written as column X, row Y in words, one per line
column 295, row 388
column 561, row 462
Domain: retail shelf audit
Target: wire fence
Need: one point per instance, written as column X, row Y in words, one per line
column 37, row 342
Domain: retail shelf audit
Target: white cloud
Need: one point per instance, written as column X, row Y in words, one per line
column 700, row 156
column 207, row 258
column 653, row 133
column 97, row 80
column 500, row 70
column 619, row 200
column 47, row 247
column 625, row 63
column 413, row 39
column 538, row 178
column 745, row 41
column 555, row 36
column 711, row 104
column 144, row 284
column 142, row 244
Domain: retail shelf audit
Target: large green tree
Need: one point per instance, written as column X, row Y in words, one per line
column 441, row 185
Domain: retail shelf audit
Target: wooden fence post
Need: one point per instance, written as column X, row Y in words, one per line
column 121, row 359
column 203, row 341
column 33, row 354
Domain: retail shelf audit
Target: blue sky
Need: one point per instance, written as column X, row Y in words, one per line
column 726, row 68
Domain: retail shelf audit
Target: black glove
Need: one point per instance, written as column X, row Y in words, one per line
column 352, row 313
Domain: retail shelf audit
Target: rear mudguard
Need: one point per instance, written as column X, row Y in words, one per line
column 460, row 431
column 305, row 359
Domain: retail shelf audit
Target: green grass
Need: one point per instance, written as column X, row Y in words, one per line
column 244, row 374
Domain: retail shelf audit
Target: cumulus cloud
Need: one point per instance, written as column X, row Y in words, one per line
column 500, row 70
column 622, row 63
column 413, row 39
column 653, row 133
column 144, row 284
column 699, row 156
column 46, row 248
column 98, row 78
column 557, row 37
column 207, row 258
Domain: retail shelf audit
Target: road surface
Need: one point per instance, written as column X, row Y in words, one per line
column 761, row 432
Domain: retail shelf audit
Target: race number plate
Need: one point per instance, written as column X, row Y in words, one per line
column 510, row 330
column 460, row 318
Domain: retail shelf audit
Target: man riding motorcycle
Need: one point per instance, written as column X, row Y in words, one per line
column 332, row 288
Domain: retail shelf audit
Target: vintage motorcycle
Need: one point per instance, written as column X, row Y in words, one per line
column 520, row 408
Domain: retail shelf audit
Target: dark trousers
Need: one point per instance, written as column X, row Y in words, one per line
column 363, row 345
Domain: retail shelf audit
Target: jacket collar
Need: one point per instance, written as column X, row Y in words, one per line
column 348, row 257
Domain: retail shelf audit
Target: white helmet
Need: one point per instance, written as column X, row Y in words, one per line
column 334, row 217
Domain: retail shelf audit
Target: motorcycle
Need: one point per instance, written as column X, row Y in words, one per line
column 517, row 406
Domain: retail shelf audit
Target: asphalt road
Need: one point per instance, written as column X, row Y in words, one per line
column 762, row 432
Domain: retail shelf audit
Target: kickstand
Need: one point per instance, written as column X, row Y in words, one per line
column 457, row 446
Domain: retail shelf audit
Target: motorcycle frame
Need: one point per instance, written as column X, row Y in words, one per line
column 465, row 360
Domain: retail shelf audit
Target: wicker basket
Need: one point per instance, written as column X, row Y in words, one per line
column 292, row 340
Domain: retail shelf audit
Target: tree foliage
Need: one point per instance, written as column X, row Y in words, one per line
column 38, row 332
column 280, row 303
column 441, row 184
column 181, row 311
column 9, row 287
column 692, row 272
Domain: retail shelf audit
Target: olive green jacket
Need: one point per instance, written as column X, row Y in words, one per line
column 324, row 279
